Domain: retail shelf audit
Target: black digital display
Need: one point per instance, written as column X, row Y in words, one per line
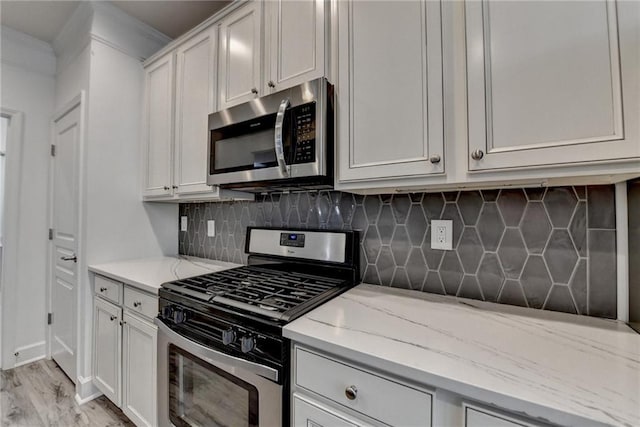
column 295, row 240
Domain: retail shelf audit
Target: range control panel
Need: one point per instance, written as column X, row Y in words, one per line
column 295, row 240
column 304, row 133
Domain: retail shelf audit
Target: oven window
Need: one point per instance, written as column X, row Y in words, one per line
column 201, row 394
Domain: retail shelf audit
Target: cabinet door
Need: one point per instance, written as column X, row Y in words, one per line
column 158, row 127
column 139, row 379
column 390, row 98
column 296, row 42
column 107, row 363
column 544, row 83
column 195, row 98
column 311, row 414
column 240, row 49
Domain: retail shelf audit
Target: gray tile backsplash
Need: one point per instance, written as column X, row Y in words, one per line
column 550, row 248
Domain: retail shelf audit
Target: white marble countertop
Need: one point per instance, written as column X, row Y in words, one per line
column 149, row 273
column 563, row 368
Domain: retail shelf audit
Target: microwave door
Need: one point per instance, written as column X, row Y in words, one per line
column 285, row 170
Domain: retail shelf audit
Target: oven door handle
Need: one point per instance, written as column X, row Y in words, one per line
column 277, row 140
column 215, row 356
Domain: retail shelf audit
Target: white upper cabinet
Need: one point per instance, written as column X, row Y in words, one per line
column 239, row 55
column 195, row 99
column 158, row 127
column 390, row 110
column 545, row 83
column 295, row 35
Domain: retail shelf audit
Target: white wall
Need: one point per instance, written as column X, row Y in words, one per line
column 27, row 85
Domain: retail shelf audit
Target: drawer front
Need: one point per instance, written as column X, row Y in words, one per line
column 108, row 289
column 307, row 413
column 480, row 417
column 141, row 302
column 374, row 396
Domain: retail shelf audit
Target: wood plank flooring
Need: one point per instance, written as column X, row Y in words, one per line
column 40, row 394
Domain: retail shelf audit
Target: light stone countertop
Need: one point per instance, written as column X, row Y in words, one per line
column 562, row 368
column 149, row 273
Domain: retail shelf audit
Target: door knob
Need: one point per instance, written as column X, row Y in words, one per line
column 254, row 90
column 351, row 392
column 434, row 159
column 271, row 83
column 73, row 258
column 477, row 154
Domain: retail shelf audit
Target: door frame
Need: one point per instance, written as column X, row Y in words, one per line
column 10, row 257
column 80, row 102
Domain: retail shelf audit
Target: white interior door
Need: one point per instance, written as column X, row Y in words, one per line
column 64, row 195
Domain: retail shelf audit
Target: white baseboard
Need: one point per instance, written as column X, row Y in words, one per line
column 85, row 390
column 30, row 353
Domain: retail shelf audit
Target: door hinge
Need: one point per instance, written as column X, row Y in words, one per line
column 49, row 318
column 53, row 150
column 51, row 234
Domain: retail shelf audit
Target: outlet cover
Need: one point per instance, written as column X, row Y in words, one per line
column 442, row 234
column 183, row 223
column 211, row 228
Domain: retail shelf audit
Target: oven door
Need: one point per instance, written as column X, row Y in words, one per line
column 199, row 386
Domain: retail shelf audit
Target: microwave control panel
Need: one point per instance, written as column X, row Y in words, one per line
column 304, row 133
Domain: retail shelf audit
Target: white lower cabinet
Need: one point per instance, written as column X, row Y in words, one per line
column 107, row 333
column 480, row 417
column 125, row 352
column 308, row 413
column 139, row 369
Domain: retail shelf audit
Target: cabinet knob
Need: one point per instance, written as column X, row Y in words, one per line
column 122, row 323
column 137, row 303
column 271, row 83
column 166, row 187
column 435, row 159
column 351, row 392
column 103, row 289
column 113, row 318
column 175, row 187
column 254, row 90
column 477, row 154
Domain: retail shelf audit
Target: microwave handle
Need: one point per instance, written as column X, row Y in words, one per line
column 278, row 143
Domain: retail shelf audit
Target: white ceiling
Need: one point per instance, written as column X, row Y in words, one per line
column 44, row 19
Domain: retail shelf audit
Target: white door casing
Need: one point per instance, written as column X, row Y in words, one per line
column 11, row 239
column 65, row 194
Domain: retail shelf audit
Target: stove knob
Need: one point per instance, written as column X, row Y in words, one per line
column 179, row 316
column 167, row 311
column 247, row 344
column 228, row 336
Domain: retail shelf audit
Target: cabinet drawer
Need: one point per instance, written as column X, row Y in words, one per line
column 480, row 417
column 108, row 289
column 372, row 395
column 141, row 302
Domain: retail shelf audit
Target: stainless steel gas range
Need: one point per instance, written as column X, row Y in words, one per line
column 222, row 359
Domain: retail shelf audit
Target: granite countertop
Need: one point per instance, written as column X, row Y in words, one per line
column 547, row 365
column 149, row 273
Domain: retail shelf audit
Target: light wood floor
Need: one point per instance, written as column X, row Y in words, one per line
column 40, row 394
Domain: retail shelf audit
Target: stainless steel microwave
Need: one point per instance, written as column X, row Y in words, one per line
column 282, row 141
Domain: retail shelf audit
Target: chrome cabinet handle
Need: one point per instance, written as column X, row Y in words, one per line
column 137, row 303
column 435, row 159
column 166, row 187
column 122, row 323
column 73, row 258
column 351, row 392
column 175, row 187
column 103, row 289
column 271, row 83
column 278, row 143
column 113, row 318
column 477, row 154
column 254, row 90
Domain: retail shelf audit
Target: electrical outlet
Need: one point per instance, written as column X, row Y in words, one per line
column 211, row 228
column 183, row 223
column 442, row 234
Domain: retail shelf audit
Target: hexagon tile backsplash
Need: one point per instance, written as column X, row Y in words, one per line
column 552, row 249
